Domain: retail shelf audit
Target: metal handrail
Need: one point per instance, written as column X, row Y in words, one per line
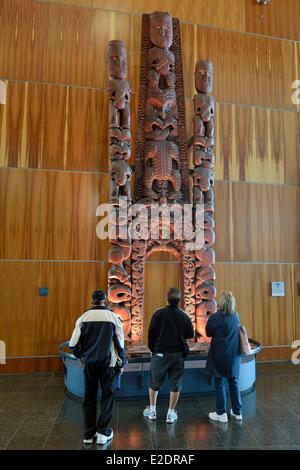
column 255, row 350
column 64, row 353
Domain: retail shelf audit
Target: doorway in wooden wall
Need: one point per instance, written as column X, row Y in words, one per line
column 159, row 276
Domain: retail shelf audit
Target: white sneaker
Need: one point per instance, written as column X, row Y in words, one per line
column 89, row 441
column 149, row 414
column 237, row 417
column 102, row 438
column 215, row 417
column 171, row 416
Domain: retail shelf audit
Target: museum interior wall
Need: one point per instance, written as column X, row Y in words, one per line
column 54, row 162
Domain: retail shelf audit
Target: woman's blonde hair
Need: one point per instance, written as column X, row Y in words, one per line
column 227, row 302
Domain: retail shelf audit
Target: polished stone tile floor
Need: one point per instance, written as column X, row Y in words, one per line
column 35, row 413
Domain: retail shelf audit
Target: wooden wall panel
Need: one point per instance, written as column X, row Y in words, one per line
column 117, row 5
column 51, row 215
column 297, row 300
column 55, row 127
column 3, row 17
column 223, row 221
column 248, row 69
column 279, row 18
column 34, row 117
column 144, row 6
column 55, row 117
column 69, row 51
column 227, row 14
column 34, row 326
column 189, row 57
column 261, row 19
column 265, row 223
column 267, row 319
column 28, row 366
column 19, row 307
column 275, row 354
column 70, row 286
column 68, row 217
column 24, row 47
column 291, row 147
column 87, row 141
column 79, row 3
column 15, row 121
column 257, row 144
column 19, row 214
column 158, row 279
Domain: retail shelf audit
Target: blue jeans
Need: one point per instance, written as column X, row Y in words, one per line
column 235, row 395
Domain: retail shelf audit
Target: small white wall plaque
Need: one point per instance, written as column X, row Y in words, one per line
column 2, row 92
column 278, row 289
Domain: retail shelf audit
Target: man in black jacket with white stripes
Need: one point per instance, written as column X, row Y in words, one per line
column 98, row 341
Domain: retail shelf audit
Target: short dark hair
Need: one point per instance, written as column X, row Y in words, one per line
column 98, row 296
column 173, row 296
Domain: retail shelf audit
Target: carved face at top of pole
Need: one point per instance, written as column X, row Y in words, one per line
column 117, row 59
column 204, row 76
column 161, row 29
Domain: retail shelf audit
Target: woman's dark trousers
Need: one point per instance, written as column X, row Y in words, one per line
column 235, row 395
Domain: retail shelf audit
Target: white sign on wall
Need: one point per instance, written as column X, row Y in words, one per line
column 278, row 289
column 2, row 92
column 2, row 352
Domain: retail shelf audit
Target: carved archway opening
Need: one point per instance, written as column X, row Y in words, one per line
column 161, row 273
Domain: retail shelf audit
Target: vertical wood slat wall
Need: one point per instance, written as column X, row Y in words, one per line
column 54, row 161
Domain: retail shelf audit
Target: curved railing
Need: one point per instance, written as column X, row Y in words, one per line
column 256, row 348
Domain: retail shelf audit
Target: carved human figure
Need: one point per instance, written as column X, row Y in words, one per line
column 205, row 292
column 118, row 86
column 203, row 101
column 206, row 308
column 162, row 160
column 161, row 60
column 161, row 115
column 117, row 273
column 203, row 153
column 124, row 314
column 203, row 180
column 204, row 274
column 204, row 113
column 118, row 293
column 204, row 76
column 209, row 237
column 120, row 175
column 205, row 257
column 119, row 140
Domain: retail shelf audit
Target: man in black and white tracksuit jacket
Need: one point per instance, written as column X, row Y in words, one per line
column 98, row 341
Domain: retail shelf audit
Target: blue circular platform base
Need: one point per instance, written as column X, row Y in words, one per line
column 135, row 378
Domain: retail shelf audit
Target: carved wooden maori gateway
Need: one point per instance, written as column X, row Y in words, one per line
column 162, row 176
